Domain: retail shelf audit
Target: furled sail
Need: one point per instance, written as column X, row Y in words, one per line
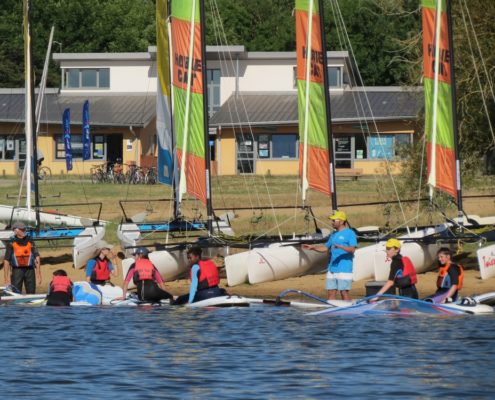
column 314, row 164
column 187, row 80
column 443, row 170
column 163, row 108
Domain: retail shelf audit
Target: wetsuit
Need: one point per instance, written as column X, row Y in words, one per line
column 404, row 280
column 146, row 277
column 447, row 276
column 22, row 253
column 59, row 291
column 204, row 283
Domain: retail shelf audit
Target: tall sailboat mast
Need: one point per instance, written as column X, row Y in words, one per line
column 30, row 119
column 209, row 207
column 331, row 173
column 454, row 115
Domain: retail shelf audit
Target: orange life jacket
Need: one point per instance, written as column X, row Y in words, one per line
column 208, row 275
column 144, row 270
column 443, row 273
column 101, row 271
column 61, row 284
column 22, row 255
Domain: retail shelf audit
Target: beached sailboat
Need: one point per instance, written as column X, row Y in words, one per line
column 84, row 232
column 182, row 125
column 282, row 260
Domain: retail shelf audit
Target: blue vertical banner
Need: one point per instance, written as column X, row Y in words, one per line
column 67, row 146
column 86, row 139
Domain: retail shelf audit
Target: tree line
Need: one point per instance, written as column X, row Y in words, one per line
column 385, row 37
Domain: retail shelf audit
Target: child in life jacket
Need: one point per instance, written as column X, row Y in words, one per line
column 99, row 269
column 449, row 279
column 204, row 279
column 402, row 273
column 60, row 289
column 150, row 286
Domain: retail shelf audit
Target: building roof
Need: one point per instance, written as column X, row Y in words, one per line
column 351, row 105
column 120, row 109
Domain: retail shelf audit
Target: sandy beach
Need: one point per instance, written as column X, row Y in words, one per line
column 315, row 284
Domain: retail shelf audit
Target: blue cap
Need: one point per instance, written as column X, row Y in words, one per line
column 143, row 251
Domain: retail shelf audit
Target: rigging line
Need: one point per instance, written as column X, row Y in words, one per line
column 387, row 163
column 223, row 61
column 361, row 109
column 340, row 26
column 250, row 130
column 476, row 67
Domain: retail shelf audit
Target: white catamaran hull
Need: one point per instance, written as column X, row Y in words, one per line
column 277, row 261
column 170, row 264
column 486, row 261
column 8, row 213
column 86, row 245
column 281, row 262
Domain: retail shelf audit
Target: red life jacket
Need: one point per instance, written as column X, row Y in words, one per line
column 144, row 270
column 409, row 270
column 22, row 255
column 101, row 271
column 61, row 284
column 444, row 272
column 208, row 275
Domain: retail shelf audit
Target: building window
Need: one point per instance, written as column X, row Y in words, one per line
column 10, row 147
column 97, row 150
column 278, row 146
column 334, row 77
column 381, row 147
column 402, row 143
column 213, row 85
column 86, row 78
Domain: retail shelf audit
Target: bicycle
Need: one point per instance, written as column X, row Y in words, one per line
column 150, row 178
column 44, row 173
column 99, row 173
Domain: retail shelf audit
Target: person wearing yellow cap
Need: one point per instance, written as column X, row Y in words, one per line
column 402, row 273
column 342, row 245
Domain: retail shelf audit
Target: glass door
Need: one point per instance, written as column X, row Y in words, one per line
column 245, row 154
column 344, row 151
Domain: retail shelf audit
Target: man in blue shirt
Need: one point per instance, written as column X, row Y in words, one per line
column 342, row 245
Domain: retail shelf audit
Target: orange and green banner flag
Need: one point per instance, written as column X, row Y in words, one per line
column 187, row 81
column 439, row 118
column 314, row 163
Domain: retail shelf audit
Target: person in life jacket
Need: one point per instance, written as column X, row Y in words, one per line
column 22, row 264
column 60, row 289
column 99, row 269
column 449, row 279
column 149, row 283
column 204, row 279
column 402, row 273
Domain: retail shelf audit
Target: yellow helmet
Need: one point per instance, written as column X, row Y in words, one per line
column 392, row 243
column 341, row 215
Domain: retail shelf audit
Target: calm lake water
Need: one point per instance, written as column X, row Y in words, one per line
column 251, row 353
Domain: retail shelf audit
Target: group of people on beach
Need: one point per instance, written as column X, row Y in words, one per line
column 22, row 267
column 402, row 277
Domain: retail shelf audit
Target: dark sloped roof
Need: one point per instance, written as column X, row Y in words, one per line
column 105, row 110
column 257, row 108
